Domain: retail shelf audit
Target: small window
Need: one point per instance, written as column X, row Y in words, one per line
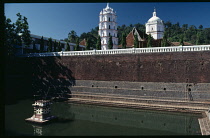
column 142, row 88
column 115, row 86
column 109, row 34
column 109, row 26
column 189, row 90
column 92, row 85
column 109, row 19
column 164, row 89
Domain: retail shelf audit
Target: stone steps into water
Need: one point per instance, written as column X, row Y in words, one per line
column 205, row 124
column 171, row 94
column 152, row 100
column 163, row 107
column 149, row 95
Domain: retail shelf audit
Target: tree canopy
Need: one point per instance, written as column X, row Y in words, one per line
column 98, row 45
column 42, row 45
column 149, row 41
column 67, row 47
column 124, row 41
column 77, row 45
column 136, row 42
column 72, row 36
column 50, row 44
column 110, row 43
column 16, row 34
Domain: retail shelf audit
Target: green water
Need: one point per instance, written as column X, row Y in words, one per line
column 89, row 120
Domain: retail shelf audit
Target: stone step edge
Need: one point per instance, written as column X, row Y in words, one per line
column 129, row 89
column 140, row 104
column 127, row 95
column 146, row 101
column 172, row 109
column 205, row 130
column 140, row 98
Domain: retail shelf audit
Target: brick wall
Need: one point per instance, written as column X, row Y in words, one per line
column 159, row 67
column 177, row 67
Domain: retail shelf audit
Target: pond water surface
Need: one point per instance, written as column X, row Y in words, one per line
column 91, row 120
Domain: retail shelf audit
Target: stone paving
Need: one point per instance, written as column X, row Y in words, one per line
column 205, row 125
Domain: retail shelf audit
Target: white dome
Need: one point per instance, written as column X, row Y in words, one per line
column 154, row 19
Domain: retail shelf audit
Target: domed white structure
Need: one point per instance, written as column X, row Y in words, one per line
column 155, row 27
column 108, row 27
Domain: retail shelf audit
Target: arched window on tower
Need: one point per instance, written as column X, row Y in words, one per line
column 109, row 19
column 109, row 26
column 109, row 34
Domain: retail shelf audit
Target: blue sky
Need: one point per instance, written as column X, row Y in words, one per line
column 56, row 20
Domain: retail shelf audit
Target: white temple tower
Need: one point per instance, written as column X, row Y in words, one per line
column 155, row 27
column 108, row 27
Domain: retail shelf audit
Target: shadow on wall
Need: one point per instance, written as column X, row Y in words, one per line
column 50, row 78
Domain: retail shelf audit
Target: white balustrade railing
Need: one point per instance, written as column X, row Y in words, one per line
column 122, row 51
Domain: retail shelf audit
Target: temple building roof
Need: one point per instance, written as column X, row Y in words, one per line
column 154, row 18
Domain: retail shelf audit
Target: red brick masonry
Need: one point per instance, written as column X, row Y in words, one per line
column 178, row 67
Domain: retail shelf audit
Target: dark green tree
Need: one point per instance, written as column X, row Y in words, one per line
column 34, row 47
column 181, row 40
column 164, row 41
column 59, row 49
column 200, row 27
column 124, row 41
column 72, row 36
column 50, row 44
column 98, row 45
column 22, row 28
column 87, row 45
column 26, row 33
column 198, row 39
column 42, row 45
column 10, row 36
column 136, row 42
column 149, row 41
column 67, row 47
column 110, row 43
column 55, row 46
column 77, row 45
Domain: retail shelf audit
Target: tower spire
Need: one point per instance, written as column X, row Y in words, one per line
column 154, row 13
column 107, row 6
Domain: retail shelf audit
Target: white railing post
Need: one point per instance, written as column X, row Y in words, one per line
column 122, row 51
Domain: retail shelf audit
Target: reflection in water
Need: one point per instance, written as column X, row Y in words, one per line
column 175, row 123
column 75, row 119
column 37, row 130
